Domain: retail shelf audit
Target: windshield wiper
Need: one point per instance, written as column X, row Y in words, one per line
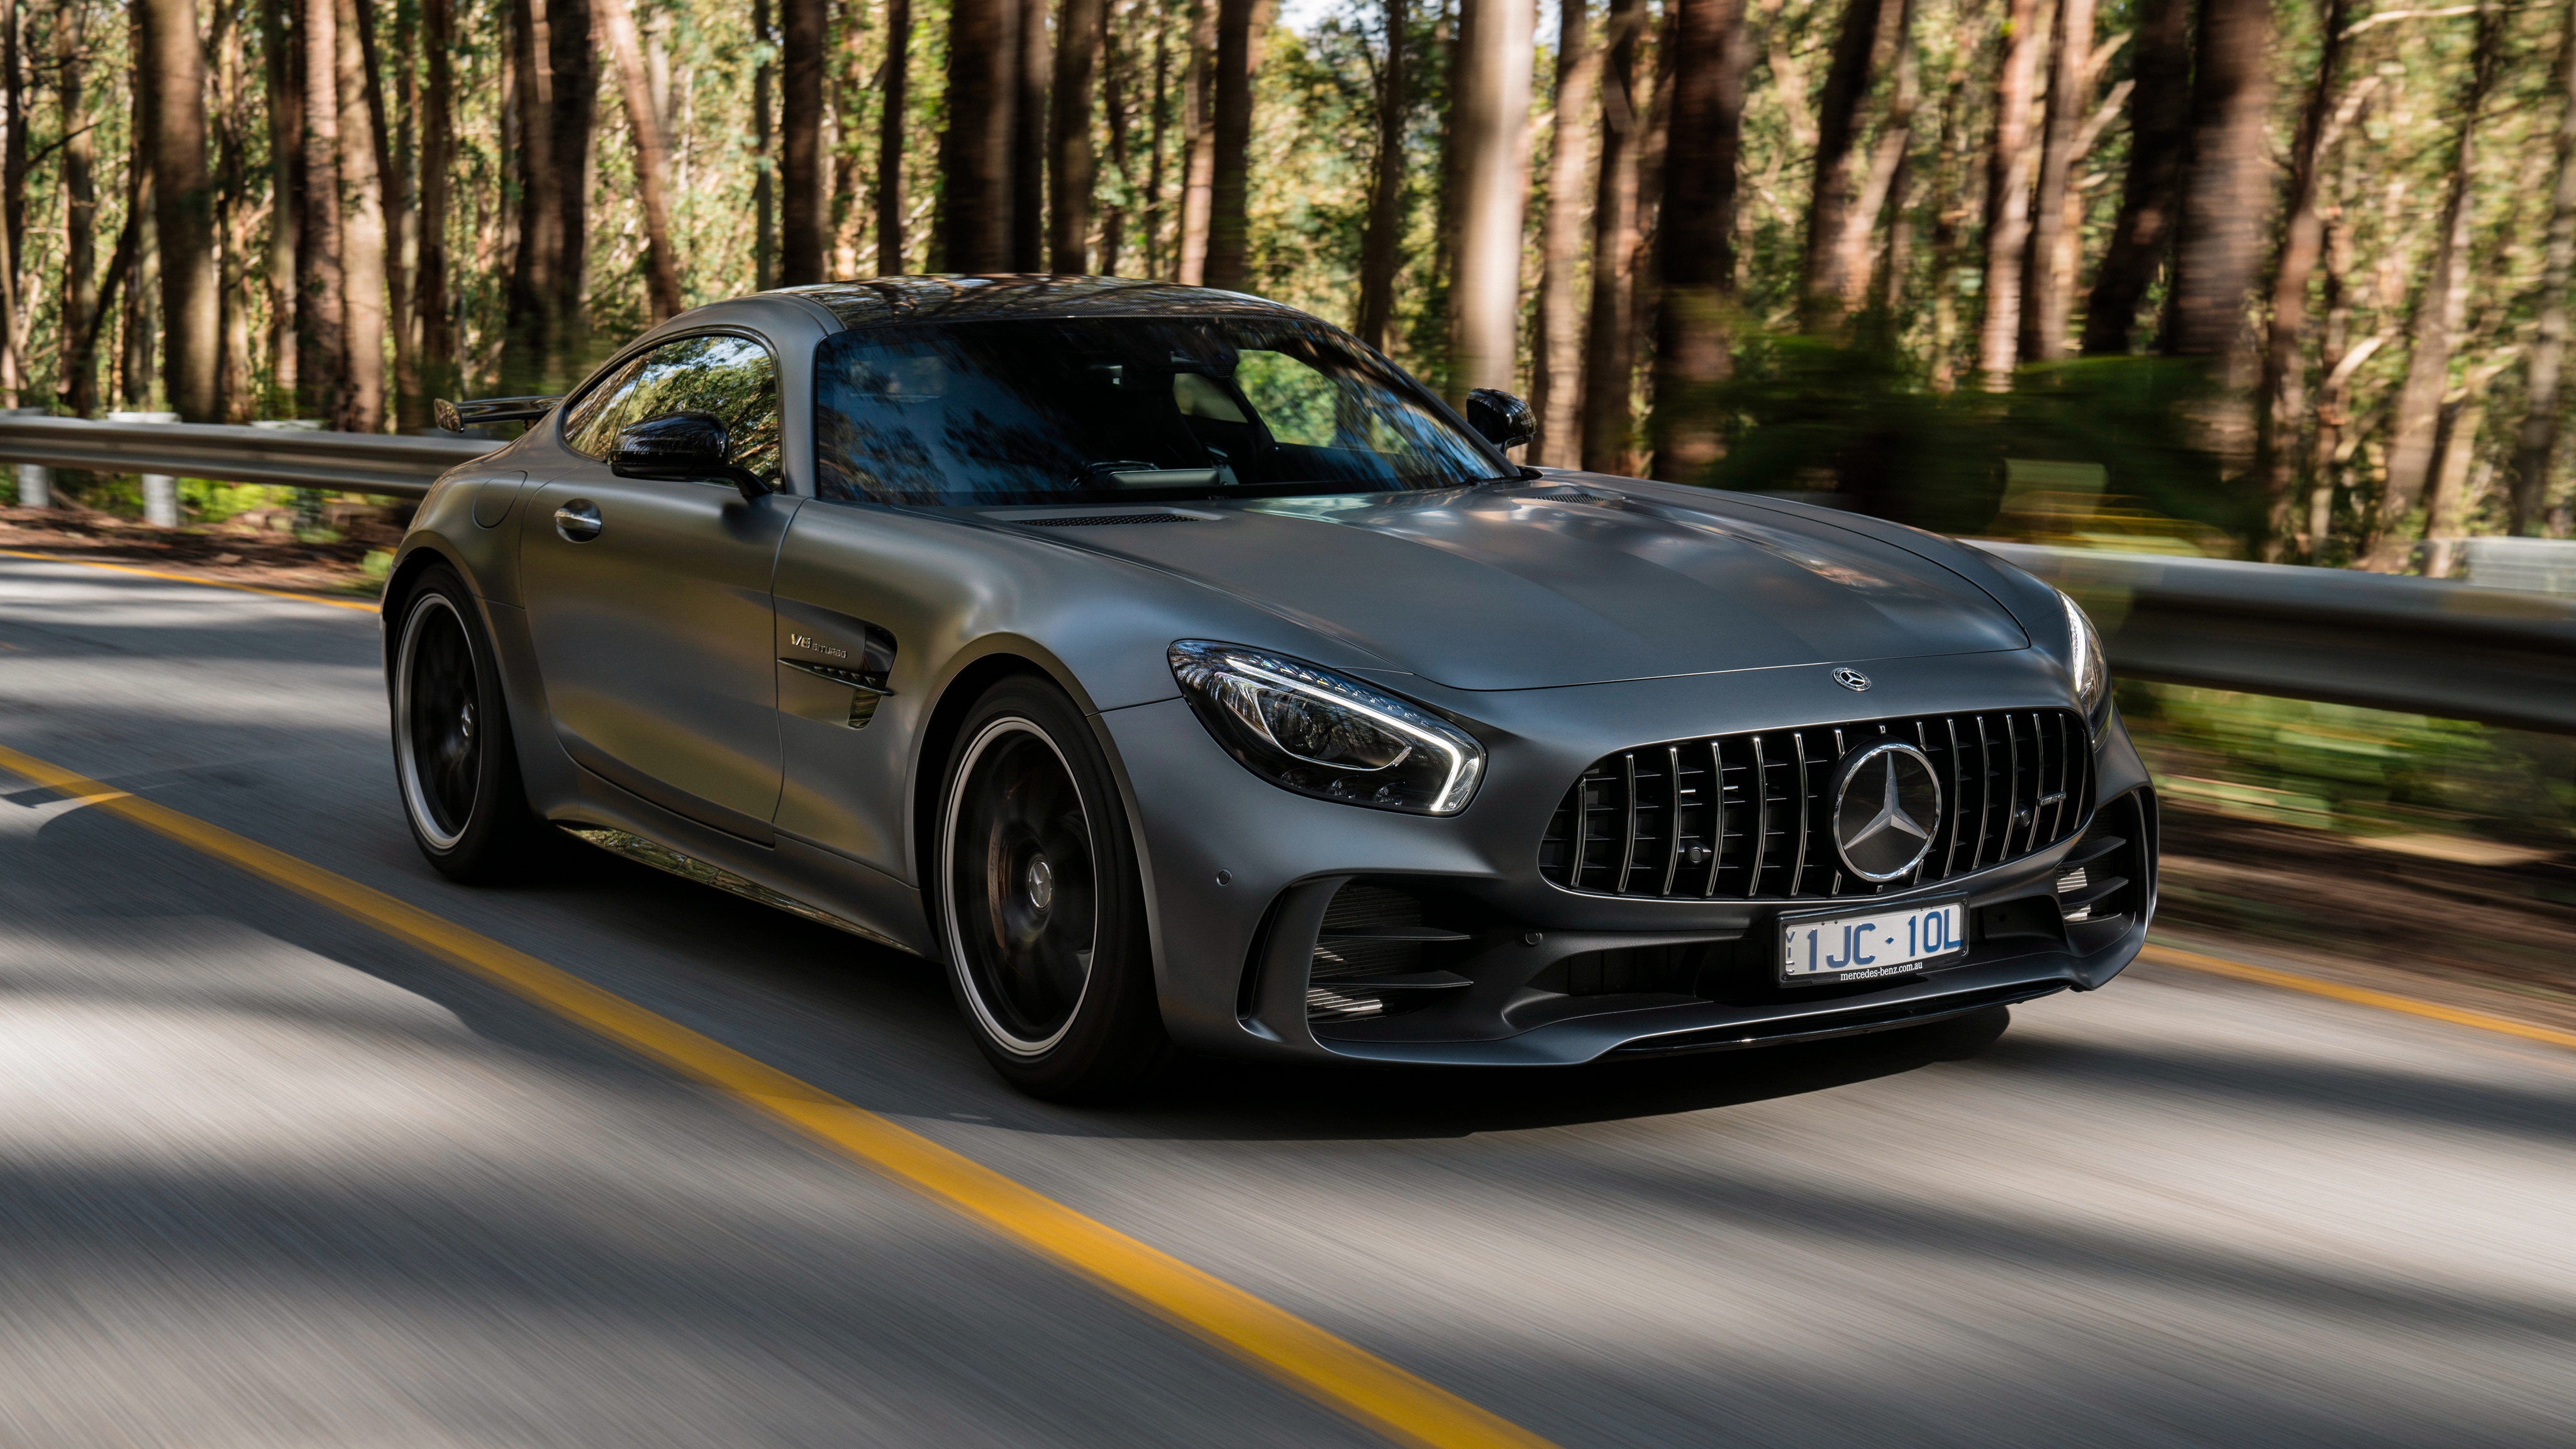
column 1127, row 473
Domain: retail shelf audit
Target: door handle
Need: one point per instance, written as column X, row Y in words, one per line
column 578, row 521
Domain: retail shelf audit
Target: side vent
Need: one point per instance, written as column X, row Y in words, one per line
column 2103, row 883
column 1370, row 957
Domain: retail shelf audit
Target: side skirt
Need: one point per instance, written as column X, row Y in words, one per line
column 688, row 867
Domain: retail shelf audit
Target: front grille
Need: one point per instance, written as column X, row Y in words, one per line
column 1745, row 816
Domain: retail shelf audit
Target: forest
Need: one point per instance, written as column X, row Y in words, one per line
column 2279, row 280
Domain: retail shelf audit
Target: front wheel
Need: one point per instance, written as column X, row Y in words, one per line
column 1040, row 902
column 453, row 755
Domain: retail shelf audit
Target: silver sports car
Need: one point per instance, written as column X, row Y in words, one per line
column 1185, row 677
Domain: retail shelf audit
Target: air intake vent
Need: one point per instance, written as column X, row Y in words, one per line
column 2102, row 881
column 1368, row 958
column 1102, row 520
column 1746, row 817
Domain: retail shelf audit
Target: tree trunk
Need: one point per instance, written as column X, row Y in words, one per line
column 1228, row 241
column 558, row 86
column 2008, row 194
column 803, row 40
column 1556, row 383
column 232, row 231
column 362, row 238
column 1155, row 252
column 2226, row 192
column 2439, row 311
column 393, row 214
column 847, row 221
column 2335, row 360
column 2445, row 515
column 324, row 306
column 173, row 66
column 1610, row 340
column 1029, row 141
column 1862, row 49
column 1198, row 142
column 76, row 382
column 1882, row 190
column 653, row 154
column 13, row 206
column 898, row 22
column 285, row 96
column 2283, row 400
column 1382, row 237
column 439, row 371
column 1695, row 246
column 1073, row 170
column 975, row 149
column 764, row 156
column 2046, row 288
column 2537, row 442
column 2159, row 132
column 1645, row 283
column 1116, row 81
column 1490, row 112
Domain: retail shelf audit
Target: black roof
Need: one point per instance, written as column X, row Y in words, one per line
column 877, row 301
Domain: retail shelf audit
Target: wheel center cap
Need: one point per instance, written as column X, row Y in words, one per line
column 465, row 721
column 1040, row 882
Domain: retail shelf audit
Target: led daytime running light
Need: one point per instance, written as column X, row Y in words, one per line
column 1461, row 759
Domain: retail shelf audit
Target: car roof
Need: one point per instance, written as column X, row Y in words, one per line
column 879, row 301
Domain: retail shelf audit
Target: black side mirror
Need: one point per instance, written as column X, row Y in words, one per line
column 1504, row 420
column 689, row 447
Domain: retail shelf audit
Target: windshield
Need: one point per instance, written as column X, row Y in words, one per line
column 1123, row 408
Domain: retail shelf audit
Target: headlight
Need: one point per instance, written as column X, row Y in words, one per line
column 2084, row 656
column 1317, row 733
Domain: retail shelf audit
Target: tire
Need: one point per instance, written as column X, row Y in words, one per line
column 1039, row 902
column 454, row 759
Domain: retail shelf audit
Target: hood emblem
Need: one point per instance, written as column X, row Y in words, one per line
column 1851, row 679
column 1887, row 803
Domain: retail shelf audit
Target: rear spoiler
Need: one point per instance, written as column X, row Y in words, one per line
column 456, row 417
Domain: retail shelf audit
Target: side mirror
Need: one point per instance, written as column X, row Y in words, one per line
column 688, row 447
column 1504, row 420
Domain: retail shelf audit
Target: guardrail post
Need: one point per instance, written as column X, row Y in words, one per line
column 35, row 480
column 308, row 501
column 160, row 490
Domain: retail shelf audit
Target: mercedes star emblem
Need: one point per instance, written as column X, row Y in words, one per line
column 1887, row 803
column 1851, row 679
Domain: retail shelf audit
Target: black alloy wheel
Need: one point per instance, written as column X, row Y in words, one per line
column 453, row 755
column 1041, row 904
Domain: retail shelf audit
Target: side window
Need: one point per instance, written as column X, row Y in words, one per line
column 1294, row 399
column 731, row 377
column 594, row 421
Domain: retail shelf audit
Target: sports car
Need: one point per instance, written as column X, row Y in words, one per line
column 1183, row 677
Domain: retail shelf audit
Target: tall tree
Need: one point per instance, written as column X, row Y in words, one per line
column 1695, row 246
column 183, row 197
column 890, row 124
column 2008, row 192
column 439, row 372
column 390, row 192
column 362, row 237
column 764, row 151
column 558, row 88
column 1155, row 254
column 1029, row 142
column 1381, row 237
column 281, row 74
column 1863, row 47
column 2537, row 441
column 2227, row 185
column 1609, row 352
column 645, row 124
column 1229, row 189
column 804, row 40
column 1882, row 188
column 2150, row 191
column 1073, row 170
column 1489, row 115
column 1117, row 97
column 2048, row 264
column 2441, row 306
column 81, row 308
column 1556, row 380
column 13, row 201
column 1198, row 143
column 323, row 309
column 231, row 121
column 976, row 193
column 2283, row 401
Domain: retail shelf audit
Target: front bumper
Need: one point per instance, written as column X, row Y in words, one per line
column 1240, row 875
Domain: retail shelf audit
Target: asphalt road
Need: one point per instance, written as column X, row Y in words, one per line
column 269, row 1178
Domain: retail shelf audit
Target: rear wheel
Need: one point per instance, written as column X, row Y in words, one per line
column 453, row 754
column 1041, row 904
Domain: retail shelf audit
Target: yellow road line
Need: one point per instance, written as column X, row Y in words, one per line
column 1339, row 1374
column 91, row 563
column 2163, row 955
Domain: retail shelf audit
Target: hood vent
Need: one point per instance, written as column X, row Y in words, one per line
column 1098, row 520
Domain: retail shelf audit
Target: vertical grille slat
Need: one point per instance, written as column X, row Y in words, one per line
column 1647, row 822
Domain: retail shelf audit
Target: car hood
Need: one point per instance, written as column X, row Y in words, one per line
column 1539, row 585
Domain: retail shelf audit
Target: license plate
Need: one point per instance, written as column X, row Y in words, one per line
column 1815, row 949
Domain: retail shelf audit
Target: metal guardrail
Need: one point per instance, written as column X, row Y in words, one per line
column 2422, row 646
column 401, row 467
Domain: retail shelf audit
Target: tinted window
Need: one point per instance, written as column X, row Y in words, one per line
column 731, row 377
column 1130, row 407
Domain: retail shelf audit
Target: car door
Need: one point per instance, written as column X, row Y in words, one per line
column 649, row 601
